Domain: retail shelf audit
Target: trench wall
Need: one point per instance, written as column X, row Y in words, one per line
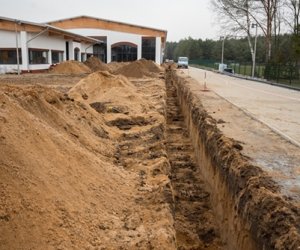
column 250, row 209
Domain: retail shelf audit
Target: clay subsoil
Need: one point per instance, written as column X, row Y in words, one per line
column 107, row 160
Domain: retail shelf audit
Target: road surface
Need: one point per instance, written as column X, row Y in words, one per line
column 277, row 107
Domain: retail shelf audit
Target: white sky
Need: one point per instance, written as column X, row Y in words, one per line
column 181, row 18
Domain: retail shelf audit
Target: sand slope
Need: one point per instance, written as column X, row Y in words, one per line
column 65, row 184
column 70, row 67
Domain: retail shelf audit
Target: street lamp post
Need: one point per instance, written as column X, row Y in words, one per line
column 254, row 53
column 223, row 42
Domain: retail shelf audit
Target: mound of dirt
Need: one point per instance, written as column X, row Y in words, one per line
column 113, row 66
column 69, row 181
column 95, row 64
column 139, row 69
column 70, row 67
column 103, row 87
column 56, row 166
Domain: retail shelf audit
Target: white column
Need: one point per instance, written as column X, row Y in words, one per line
column 50, row 57
column 139, row 49
column 71, row 50
column 158, row 53
column 65, row 53
column 79, row 55
column 108, row 49
column 24, row 48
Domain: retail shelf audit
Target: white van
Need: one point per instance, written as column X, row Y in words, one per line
column 183, row 62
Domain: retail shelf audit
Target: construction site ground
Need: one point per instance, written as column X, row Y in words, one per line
column 263, row 117
column 104, row 160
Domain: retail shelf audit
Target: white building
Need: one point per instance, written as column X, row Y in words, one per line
column 29, row 46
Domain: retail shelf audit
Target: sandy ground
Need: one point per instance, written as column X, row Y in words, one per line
column 228, row 98
column 277, row 107
column 80, row 176
column 85, row 163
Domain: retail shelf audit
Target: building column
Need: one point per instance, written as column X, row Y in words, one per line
column 50, row 57
column 71, row 50
column 24, row 51
column 108, row 49
column 139, row 49
column 158, row 58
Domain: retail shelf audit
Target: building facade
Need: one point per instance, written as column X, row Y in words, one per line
column 27, row 46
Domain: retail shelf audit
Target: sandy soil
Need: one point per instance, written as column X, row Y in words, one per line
column 247, row 197
column 105, row 161
column 266, row 148
column 68, row 179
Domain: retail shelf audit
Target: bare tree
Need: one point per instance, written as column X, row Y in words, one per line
column 235, row 17
column 243, row 12
column 269, row 10
column 293, row 15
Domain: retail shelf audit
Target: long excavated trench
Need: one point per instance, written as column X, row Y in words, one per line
column 221, row 200
column 195, row 222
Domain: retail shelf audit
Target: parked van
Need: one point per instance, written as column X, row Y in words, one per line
column 183, row 62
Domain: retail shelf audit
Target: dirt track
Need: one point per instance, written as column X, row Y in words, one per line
column 102, row 161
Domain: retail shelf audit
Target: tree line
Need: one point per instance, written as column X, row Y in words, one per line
column 287, row 49
column 275, row 24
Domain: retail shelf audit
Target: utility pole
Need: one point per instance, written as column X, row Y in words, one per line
column 223, row 43
column 254, row 53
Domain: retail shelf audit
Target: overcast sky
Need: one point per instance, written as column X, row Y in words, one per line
column 181, row 18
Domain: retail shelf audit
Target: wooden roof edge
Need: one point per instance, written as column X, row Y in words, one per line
column 106, row 20
column 50, row 27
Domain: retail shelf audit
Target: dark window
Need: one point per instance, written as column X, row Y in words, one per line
column 99, row 50
column 67, row 50
column 76, row 54
column 38, row 56
column 9, row 56
column 148, row 48
column 57, row 56
column 124, row 53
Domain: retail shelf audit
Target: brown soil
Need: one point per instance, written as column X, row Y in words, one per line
column 75, row 178
column 61, row 82
column 139, row 69
column 95, row 64
column 195, row 223
column 115, row 92
column 102, row 162
column 116, row 65
column 245, row 195
column 70, row 67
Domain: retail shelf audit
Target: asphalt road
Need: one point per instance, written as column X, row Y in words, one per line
column 277, row 107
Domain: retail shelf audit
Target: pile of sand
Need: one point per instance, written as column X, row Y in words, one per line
column 70, row 67
column 63, row 182
column 56, row 173
column 95, row 64
column 139, row 69
column 104, row 87
column 113, row 66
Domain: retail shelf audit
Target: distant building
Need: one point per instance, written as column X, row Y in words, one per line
column 40, row 45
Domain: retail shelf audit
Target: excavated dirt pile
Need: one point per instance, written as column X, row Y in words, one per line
column 107, row 92
column 86, row 174
column 116, row 65
column 139, row 69
column 70, row 67
column 95, row 64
